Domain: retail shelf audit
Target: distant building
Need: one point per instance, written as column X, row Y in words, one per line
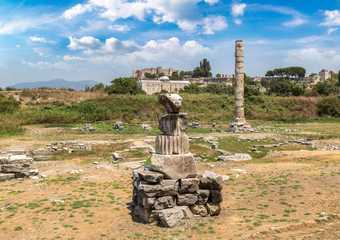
column 162, row 84
column 325, row 75
column 157, row 72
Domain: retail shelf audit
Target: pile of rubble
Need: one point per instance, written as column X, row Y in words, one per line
column 44, row 154
column 16, row 164
column 168, row 202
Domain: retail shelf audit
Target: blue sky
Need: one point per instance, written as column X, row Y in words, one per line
column 102, row 39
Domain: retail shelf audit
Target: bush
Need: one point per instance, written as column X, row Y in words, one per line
column 8, row 105
column 125, row 86
column 329, row 106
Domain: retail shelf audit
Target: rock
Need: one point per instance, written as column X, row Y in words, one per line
column 203, row 196
column 235, row 157
column 195, row 125
column 174, row 166
column 150, row 177
column 188, row 185
column 166, row 188
column 143, row 214
column 171, row 102
column 215, row 196
column 116, row 157
column 186, row 199
column 200, row 210
column 146, row 127
column 164, row 202
column 6, row 176
column 214, row 209
column 144, row 201
column 118, row 126
column 88, row 128
column 211, row 181
column 170, row 217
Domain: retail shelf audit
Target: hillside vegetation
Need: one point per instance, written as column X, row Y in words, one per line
column 138, row 108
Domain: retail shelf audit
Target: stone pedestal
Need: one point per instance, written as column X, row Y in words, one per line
column 174, row 166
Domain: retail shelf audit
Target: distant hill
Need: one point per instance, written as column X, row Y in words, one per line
column 56, row 83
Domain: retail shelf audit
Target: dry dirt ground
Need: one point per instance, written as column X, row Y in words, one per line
column 291, row 194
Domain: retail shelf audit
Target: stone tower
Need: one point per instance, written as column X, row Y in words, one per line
column 239, row 123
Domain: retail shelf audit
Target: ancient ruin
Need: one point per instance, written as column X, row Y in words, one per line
column 16, row 164
column 169, row 190
column 239, row 123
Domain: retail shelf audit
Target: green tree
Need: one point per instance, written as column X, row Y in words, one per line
column 125, row 85
column 175, row 76
column 288, row 72
column 204, row 70
column 338, row 82
column 325, row 88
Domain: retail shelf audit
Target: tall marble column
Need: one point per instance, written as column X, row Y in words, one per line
column 239, row 123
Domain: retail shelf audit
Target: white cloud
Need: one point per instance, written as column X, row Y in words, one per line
column 83, row 43
column 314, row 58
column 211, row 2
column 297, row 18
column 213, row 24
column 119, row 28
column 295, row 22
column 36, row 39
column 70, row 58
column 332, row 30
column 332, row 18
column 76, row 10
column 238, row 9
column 185, row 13
column 17, row 26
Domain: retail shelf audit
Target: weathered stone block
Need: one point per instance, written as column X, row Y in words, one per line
column 14, row 168
column 170, row 217
column 166, row 188
column 215, row 196
column 203, row 196
column 186, row 199
column 143, row 214
column 150, row 177
column 211, row 181
column 164, row 202
column 214, row 209
column 199, row 210
column 188, row 185
column 6, row 176
column 174, row 166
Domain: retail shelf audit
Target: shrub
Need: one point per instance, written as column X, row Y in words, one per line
column 329, row 106
column 8, row 104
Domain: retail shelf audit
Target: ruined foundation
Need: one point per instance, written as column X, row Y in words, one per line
column 239, row 123
column 168, row 190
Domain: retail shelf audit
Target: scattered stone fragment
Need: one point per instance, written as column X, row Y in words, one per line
column 146, row 127
column 116, row 157
column 235, row 157
column 118, row 126
column 195, row 125
column 87, row 128
column 213, row 209
column 6, row 176
column 200, row 210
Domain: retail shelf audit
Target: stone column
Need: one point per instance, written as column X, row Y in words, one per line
column 239, row 123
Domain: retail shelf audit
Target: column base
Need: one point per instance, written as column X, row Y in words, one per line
column 239, row 127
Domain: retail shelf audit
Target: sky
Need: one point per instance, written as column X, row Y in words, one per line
column 102, row 39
